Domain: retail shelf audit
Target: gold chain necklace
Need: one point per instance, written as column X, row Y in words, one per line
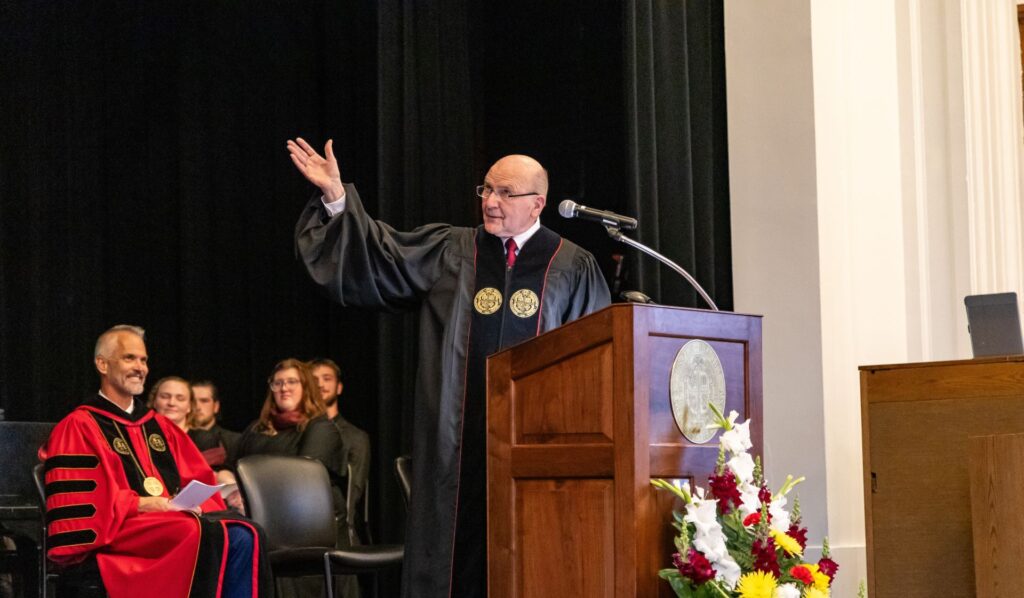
column 152, row 485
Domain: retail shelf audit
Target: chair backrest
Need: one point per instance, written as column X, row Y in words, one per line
column 403, row 470
column 19, row 445
column 290, row 497
column 39, row 477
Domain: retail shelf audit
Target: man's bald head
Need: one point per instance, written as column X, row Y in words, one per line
column 527, row 168
column 524, row 184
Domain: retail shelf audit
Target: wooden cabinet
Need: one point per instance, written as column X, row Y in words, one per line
column 917, row 419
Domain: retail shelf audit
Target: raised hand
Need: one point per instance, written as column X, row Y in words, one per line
column 322, row 172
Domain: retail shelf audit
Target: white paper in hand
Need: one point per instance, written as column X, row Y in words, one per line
column 193, row 495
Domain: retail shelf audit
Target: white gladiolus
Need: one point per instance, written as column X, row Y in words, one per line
column 750, row 503
column 742, row 465
column 779, row 515
column 787, row 590
column 709, row 539
column 736, row 440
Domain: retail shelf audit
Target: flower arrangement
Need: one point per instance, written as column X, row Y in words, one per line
column 738, row 539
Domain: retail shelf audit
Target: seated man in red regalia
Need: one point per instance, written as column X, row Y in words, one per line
column 112, row 466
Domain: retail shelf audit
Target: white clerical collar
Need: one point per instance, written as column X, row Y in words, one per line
column 130, row 408
column 524, row 236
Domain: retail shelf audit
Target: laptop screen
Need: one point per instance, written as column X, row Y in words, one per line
column 993, row 322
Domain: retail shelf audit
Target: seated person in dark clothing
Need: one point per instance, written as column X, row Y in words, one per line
column 355, row 443
column 292, row 422
column 112, row 466
column 217, row 443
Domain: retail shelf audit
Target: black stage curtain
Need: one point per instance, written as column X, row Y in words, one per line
column 678, row 163
column 143, row 175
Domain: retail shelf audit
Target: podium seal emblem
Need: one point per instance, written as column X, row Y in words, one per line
column 697, row 379
column 487, row 301
column 524, row 303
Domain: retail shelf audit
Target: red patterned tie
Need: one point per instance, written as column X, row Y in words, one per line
column 510, row 252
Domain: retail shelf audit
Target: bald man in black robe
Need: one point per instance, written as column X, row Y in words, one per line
column 478, row 290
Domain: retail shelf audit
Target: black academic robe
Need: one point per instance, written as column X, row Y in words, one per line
column 367, row 263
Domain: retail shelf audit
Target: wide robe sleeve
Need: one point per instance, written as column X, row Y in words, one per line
column 366, row 263
column 576, row 288
column 86, row 505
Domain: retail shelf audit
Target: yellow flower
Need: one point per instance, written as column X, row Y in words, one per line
column 813, row 592
column 787, row 543
column 756, row 584
column 821, row 581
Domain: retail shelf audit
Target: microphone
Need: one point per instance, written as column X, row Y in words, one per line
column 570, row 209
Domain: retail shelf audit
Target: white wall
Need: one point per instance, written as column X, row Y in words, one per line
column 875, row 168
column 775, row 231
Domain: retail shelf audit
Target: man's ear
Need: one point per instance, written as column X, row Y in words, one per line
column 340, row 387
column 216, row 407
column 541, row 201
column 101, row 364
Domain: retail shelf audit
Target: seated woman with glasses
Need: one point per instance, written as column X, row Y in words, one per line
column 293, row 422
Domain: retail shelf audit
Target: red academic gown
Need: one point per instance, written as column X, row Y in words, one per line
column 93, row 486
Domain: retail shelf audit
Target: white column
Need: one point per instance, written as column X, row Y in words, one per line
column 993, row 127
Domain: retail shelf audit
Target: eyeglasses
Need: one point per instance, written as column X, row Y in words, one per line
column 485, row 191
column 279, row 384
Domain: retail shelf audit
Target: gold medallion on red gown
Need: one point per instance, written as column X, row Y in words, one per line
column 153, row 486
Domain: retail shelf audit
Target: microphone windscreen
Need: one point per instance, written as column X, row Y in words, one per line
column 567, row 208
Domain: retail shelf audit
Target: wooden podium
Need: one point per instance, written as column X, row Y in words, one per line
column 919, row 422
column 578, row 422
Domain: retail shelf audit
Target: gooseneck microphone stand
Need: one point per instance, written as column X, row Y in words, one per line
column 616, row 234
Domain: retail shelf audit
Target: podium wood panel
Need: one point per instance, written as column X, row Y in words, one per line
column 916, row 421
column 997, row 494
column 579, row 421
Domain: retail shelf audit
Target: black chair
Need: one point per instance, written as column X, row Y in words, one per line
column 358, row 512
column 291, row 498
column 82, row 579
column 403, row 471
column 21, row 557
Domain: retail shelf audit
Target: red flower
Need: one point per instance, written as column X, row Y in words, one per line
column 803, row 574
column 723, row 488
column 765, row 495
column 828, row 567
column 752, row 519
column 696, row 567
column 765, row 558
column 799, row 534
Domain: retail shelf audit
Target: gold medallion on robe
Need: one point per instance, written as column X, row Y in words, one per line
column 121, row 447
column 153, row 486
column 157, row 443
column 524, row 303
column 487, row 301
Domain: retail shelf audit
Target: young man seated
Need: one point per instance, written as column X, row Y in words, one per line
column 112, row 466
